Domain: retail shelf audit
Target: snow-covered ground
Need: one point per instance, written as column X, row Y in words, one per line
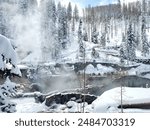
column 106, row 103
column 140, row 69
column 111, row 99
column 100, row 69
column 28, row 105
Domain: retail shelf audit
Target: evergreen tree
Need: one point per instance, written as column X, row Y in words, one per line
column 59, row 7
column 85, row 35
column 49, row 30
column 123, row 38
column 4, row 22
column 122, row 56
column 56, row 46
column 76, row 13
column 130, row 44
column 94, row 53
column 94, row 37
column 69, row 12
column 137, row 39
column 23, row 6
column 63, row 28
column 145, row 45
column 80, row 41
column 103, row 39
column 73, row 24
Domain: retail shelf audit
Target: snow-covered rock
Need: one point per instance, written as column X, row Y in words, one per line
column 8, row 54
column 100, row 69
column 103, row 69
column 7, row 50
column 111, row 99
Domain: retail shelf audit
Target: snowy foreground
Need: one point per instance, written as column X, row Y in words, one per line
column 106, row 103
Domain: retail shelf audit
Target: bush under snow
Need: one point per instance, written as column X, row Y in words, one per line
column 8, row 89
column 8, row 60
column 8, row 55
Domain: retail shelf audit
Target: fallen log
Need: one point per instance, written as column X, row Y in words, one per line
column 135, row 106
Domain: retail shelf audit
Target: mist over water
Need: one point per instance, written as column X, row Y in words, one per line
column 65, row 80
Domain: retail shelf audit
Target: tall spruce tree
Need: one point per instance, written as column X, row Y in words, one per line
column 73, row 24
column 23, row 6
column 69, row 12
column 130, row 44
column 80, row 41
column 103, row 39
column 85, row 34
column 49, row 30
column 94, row 37
column 76, row 13
column 121, row 51
column 145, row 45
column 62, row 28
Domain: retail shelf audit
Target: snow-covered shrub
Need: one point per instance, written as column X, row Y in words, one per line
column 8, row 60
column 94, row 53
column 7, row 90
column 32, row 75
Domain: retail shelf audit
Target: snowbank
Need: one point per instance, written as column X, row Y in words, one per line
column 109, row 101
column 100, row 69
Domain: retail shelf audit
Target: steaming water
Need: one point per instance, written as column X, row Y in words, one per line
column 60, row 82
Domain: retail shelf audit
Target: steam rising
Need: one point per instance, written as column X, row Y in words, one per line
column 26, row 32
column 62, row 81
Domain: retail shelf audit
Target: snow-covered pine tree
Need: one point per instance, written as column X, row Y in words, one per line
column 80, row 41
column 69, row 12
column 145, row 45
column 4, row 24
column 23, row 6
column 62, row 28
column 130, row 44
column 94, row 37
column 73, row 24
column 103, row 39
column 123, row 38
column 56, row 45
column 54, row 13
column 94, row 53
column 85, row 34
column 59, row 7
column 137, row 39
column 49, row 30
column 76, row 13
column 122, row 56
column 7, row 57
